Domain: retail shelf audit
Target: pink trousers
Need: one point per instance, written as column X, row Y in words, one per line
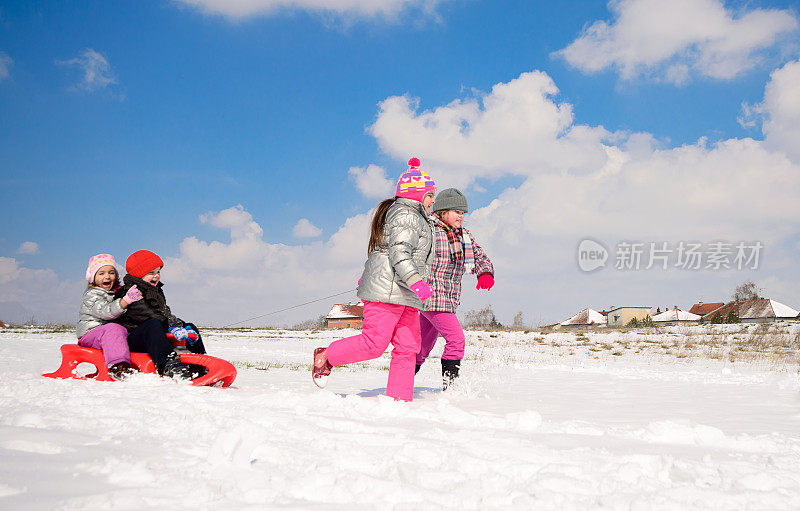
column 433, row 323
column 112, row 338
column 384, row 323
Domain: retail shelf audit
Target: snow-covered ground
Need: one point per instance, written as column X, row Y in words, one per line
column 559, row 421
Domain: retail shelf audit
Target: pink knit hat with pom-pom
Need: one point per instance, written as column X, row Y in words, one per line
column 414, row 183
column 97, row 262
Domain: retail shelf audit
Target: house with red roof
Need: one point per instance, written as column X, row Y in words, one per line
column 346, row 315
column 758, row 310
column 701, row 309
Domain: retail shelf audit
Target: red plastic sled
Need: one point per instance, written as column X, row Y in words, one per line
column 221, row 373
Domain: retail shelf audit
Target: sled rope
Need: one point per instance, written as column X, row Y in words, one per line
column 289, row 308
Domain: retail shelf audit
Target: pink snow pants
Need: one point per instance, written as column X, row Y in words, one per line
column 433, row 323
column 384, row 323
column 112, row 338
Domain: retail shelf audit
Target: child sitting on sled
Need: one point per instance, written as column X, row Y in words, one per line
column 455, row 252
column 148, row 320
column 98, row 308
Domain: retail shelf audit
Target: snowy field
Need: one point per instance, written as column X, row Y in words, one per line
column 674, row 419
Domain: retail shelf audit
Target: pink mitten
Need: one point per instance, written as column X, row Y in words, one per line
column 423, row 290
column 133, row 295
column 485, row 281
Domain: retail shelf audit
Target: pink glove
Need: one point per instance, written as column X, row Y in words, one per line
column 485, row 281
column 133, row 295
column 423, row 290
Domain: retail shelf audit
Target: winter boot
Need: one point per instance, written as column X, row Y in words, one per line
column 197, row 370
column 449, row 372
column 174, row 368
column 320, row 370
column 120, row 371
column 416, row 369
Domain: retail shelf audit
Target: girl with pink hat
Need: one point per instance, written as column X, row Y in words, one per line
column 99, row 308
column 392, row 287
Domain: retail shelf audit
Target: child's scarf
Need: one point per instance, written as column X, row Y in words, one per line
column 460, row 245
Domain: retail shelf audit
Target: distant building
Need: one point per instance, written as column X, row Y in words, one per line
column 621, row 316
column 758, row 310
column 676, row 317
column 346, row 315
column 701, row 309
column 586, row 317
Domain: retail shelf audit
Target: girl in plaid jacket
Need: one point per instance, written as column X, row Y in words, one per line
column 455, row 252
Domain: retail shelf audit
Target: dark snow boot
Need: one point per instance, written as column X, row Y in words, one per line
column 197, row 370
column 416, row 369
column 449, row 372
column 174, row 368
column 120, row 371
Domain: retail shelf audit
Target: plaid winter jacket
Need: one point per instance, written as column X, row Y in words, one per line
column 446, row 275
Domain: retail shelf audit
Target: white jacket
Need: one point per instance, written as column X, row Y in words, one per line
column 98, row 307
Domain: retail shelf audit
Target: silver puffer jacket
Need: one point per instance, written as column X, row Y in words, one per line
column 98, row 307
column 405, row 260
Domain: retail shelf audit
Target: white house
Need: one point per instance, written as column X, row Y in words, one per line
column 586, row 317
column 676, row 316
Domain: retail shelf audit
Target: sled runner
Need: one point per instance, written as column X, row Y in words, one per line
column 221, row 373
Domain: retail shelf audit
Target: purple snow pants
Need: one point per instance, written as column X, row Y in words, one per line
column 384, row 323
column 433, row 323
column 112, row 338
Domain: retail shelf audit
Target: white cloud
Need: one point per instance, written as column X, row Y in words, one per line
column 583, row 181
column 96, row 70
column 372, row 181
column 41, row 292
column 28, row 247
column 238, row 9
column 239, row 221
column 515, row 129
column 305, row 229
column 577, row 181
column 669, row 39
column 576, row 172
column 221, row 283
column 781, row 110
column 5, row 64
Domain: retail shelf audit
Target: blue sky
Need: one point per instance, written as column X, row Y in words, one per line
column 194, row 110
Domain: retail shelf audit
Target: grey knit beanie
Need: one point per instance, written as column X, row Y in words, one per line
column 450, row 198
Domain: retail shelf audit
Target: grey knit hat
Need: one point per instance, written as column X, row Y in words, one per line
column 450, row 198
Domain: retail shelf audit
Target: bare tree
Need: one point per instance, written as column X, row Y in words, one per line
column 519, row 320
column 310, row 324
column 746, row 291
column 480, row 318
